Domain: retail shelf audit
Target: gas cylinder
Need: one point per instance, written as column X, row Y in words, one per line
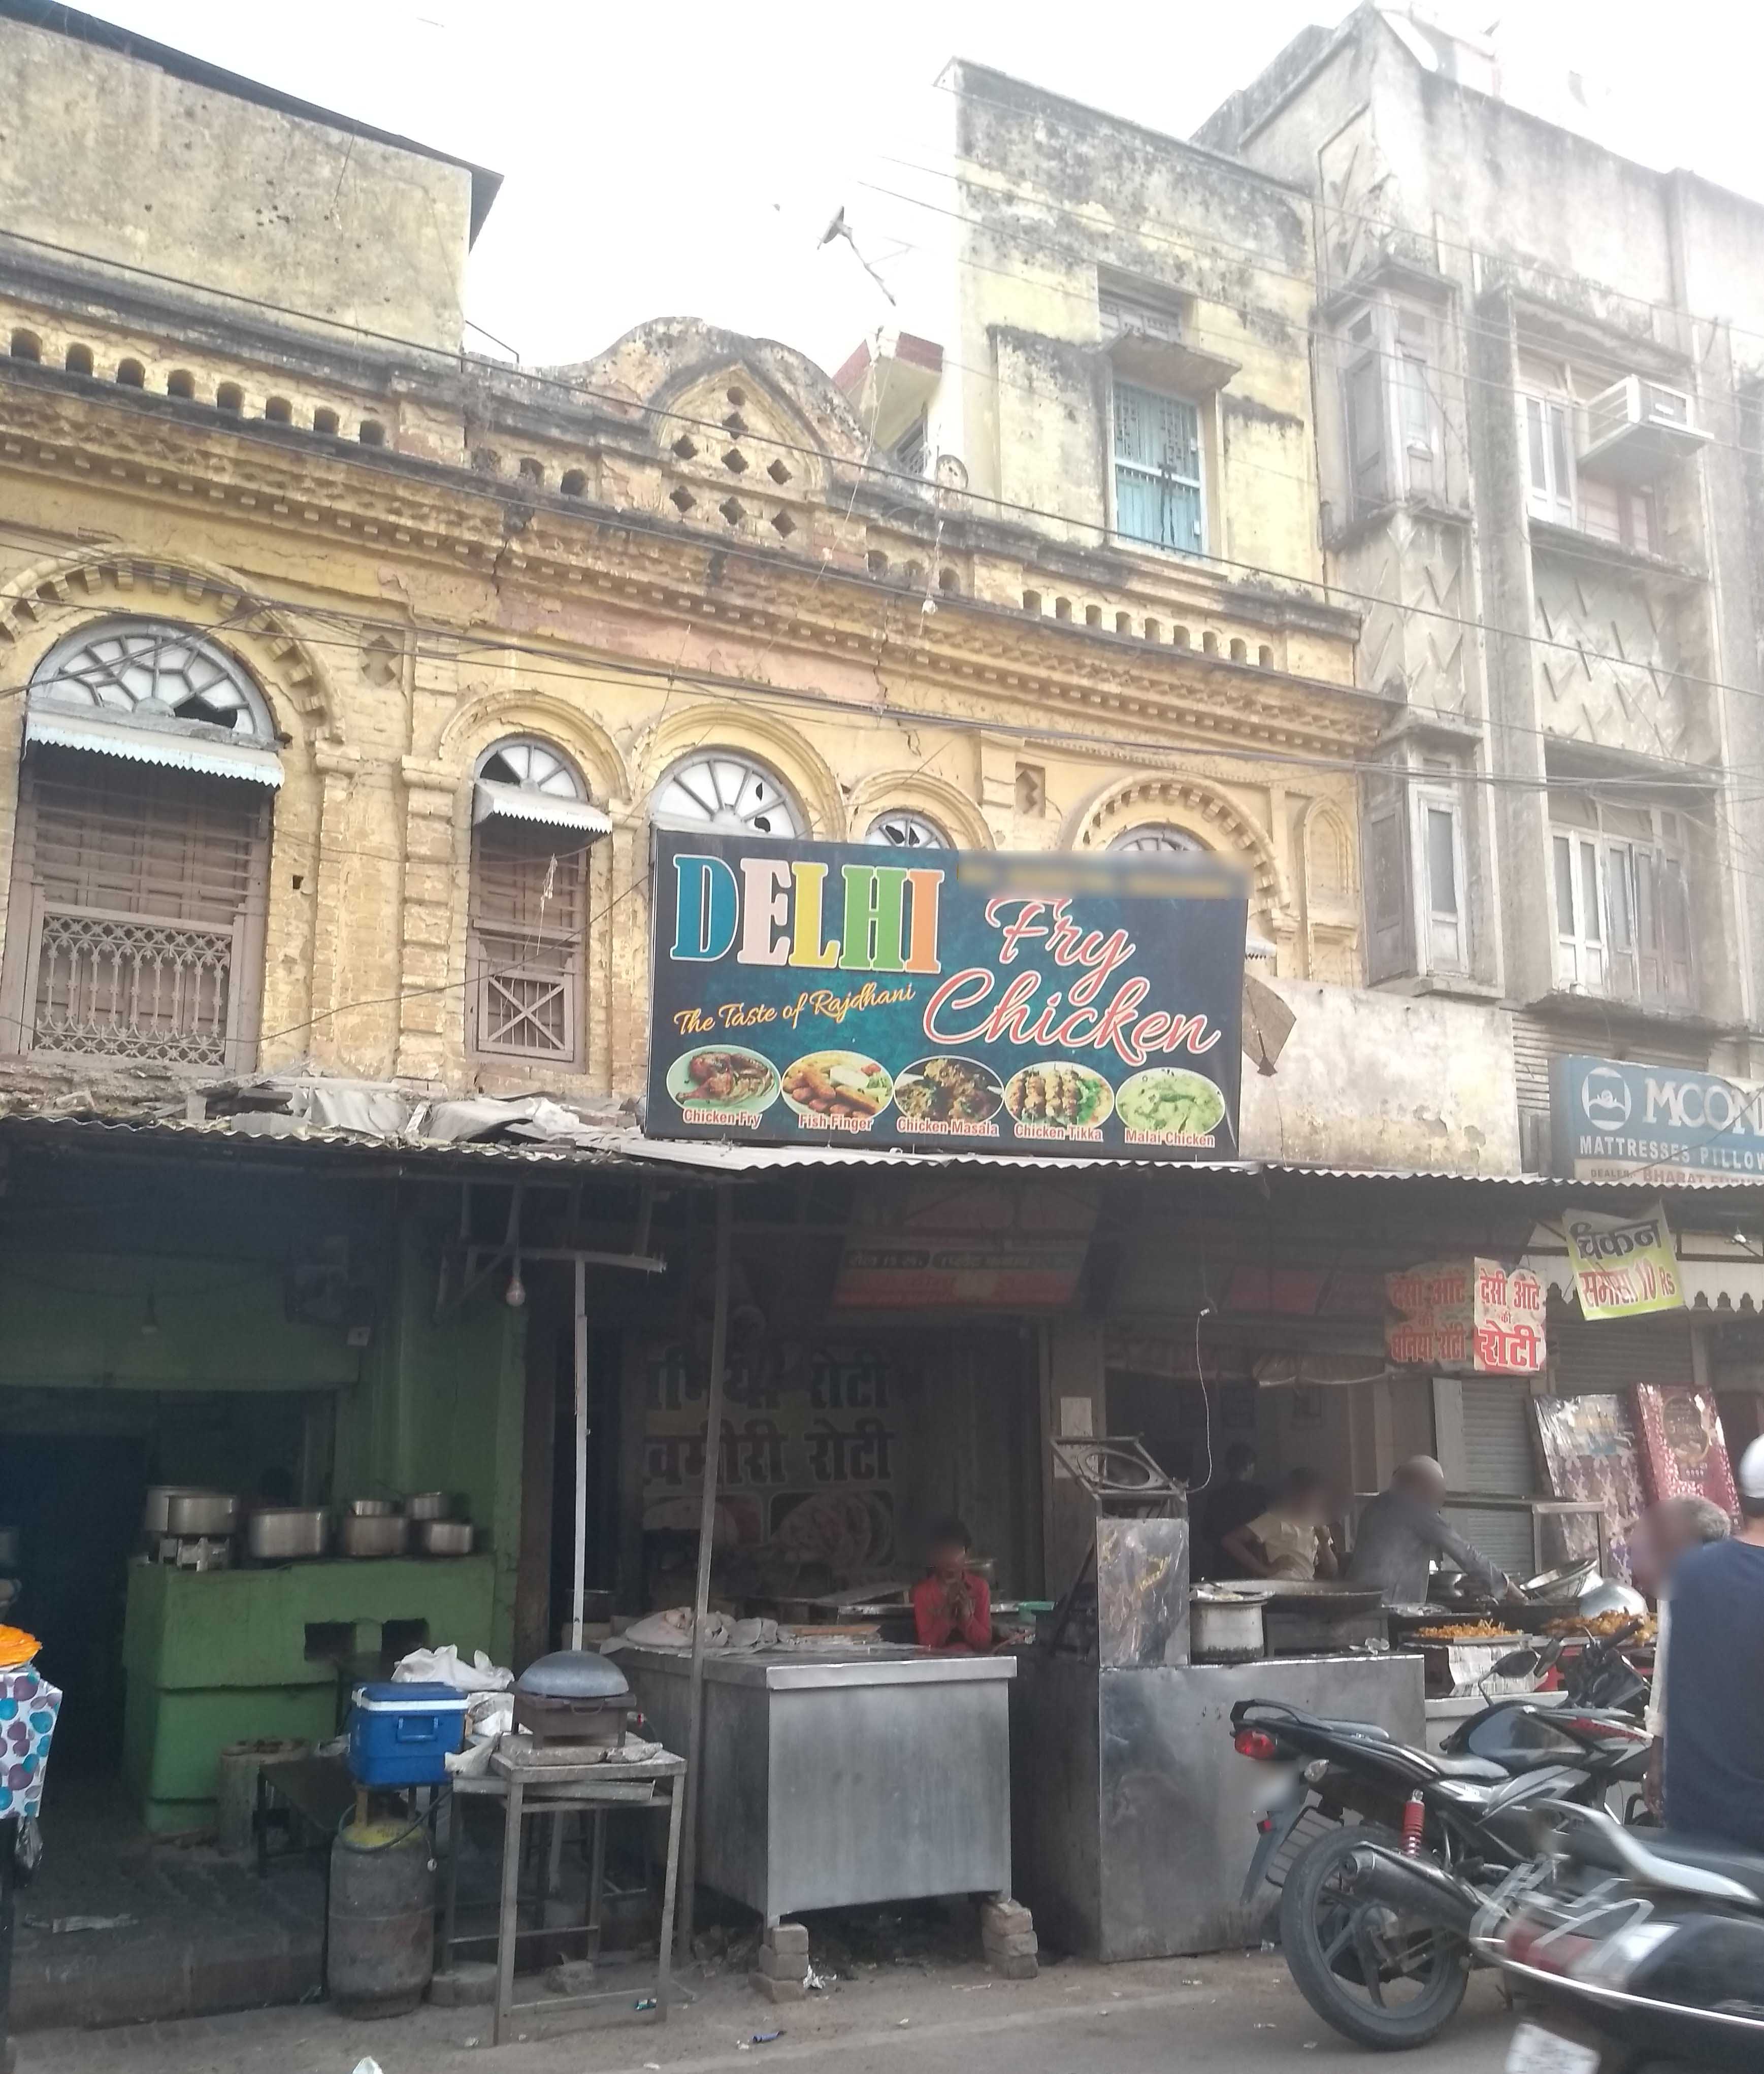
column 380, row 1950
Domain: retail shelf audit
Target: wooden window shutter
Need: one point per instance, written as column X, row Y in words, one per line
column 1368, row 446
column 1389, row 888
column 143, row 893
column 525, row 950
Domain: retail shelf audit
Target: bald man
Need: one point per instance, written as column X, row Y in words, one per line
column 1402, row 1530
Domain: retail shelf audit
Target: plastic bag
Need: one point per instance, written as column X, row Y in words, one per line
column 442, row 1666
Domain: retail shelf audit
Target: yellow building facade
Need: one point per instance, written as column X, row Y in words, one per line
column 342, row 676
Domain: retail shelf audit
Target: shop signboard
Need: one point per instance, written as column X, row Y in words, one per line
column 1624, row 1267
column 832, row 993
column 1466, row 1317
column 1613, row 1120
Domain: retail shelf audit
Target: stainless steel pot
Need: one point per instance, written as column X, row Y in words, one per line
column 154, row 1520
column 425, row 1505
column 371, row 1508
column 374, row 1533
column 444, row 1537
column 1224, row 1627
column 286, row 1533
column 209, row 1514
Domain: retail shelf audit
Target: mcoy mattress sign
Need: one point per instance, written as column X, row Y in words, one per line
column 1613, row 1120
column 823, row 992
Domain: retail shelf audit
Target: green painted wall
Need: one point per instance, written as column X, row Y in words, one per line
column 133, row 1295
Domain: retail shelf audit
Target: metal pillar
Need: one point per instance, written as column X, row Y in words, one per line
column 707, row 1522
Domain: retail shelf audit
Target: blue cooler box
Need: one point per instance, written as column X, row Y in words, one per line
column 399, row 1735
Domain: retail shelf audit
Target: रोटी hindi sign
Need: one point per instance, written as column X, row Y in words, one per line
column 1467, row 1315
column 825, row 993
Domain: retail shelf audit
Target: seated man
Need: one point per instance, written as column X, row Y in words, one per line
column 952, row 1606
column 1291, row 1538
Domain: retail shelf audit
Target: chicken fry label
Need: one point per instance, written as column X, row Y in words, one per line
column 1089, row 1003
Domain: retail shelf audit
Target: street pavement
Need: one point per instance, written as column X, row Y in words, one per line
column 1221, row 2015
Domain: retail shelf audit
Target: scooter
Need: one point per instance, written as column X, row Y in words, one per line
column 1634, row 1950
column 1385, row 1854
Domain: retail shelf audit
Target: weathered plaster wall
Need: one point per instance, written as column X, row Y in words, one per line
column 119, row 160
column 1375, row 1080
column 1055, row 195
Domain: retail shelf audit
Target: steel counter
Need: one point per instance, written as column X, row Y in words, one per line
column 833, row 1779
column 1134, row 1816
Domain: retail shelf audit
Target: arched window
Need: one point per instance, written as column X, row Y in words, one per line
column 1159, row 836
column 902, row 830
column 138, row 880
column 532, row 822
column 721, row 789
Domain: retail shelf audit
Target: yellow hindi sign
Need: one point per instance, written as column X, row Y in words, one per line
column 1623, row 1266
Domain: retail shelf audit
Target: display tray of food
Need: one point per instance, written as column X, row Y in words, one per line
column 1483, row 1631
column 1641, row 1629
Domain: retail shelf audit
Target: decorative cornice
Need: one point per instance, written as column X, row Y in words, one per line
column 423, row 512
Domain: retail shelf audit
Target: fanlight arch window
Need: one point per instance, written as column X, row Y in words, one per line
column 532, row 823
column 721, row 789
column 139, row 873
column 905, row 830
column 1161, row 838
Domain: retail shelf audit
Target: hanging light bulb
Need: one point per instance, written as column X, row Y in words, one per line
column 150, row 1318
column 515, row 1295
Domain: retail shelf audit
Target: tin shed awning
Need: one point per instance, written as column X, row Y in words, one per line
column 172, row 746
column 491, row 798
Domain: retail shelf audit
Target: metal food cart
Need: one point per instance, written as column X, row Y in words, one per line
column 832, row 1778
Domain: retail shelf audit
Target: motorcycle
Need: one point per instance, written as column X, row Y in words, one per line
column 1398, row 1849
column 1644, row 1951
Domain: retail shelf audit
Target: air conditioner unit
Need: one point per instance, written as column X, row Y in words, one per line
column 1636, row 429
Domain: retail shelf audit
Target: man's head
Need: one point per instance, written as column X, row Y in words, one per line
column 1239, row 1460
column 1751, row 1484
column 949, row 1545
column 1673, row 1527
column 1421, row 1478
column 1305, row 1496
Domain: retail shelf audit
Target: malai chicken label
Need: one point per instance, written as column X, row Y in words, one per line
column 994, row 1001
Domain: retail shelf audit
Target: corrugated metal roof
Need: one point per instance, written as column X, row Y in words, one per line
column 626, row 1148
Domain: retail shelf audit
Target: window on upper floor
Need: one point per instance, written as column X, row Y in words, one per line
column 1621, row 896
column 903, row 830
column 1585, row 470
column 1418, row 917
column 139, row 877
column 721, row 789
column 1396, row 428
column 910, row 453
column 532, row 823
column 1160, row 493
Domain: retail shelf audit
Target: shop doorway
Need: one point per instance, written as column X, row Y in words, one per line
column 76, row 1503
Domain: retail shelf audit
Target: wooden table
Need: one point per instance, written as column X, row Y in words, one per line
column 528, row 1787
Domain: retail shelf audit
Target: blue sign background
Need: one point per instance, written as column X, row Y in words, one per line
column 746, row 1050
column 1612, row 1119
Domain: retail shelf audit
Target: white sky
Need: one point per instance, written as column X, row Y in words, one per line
column 683, row 158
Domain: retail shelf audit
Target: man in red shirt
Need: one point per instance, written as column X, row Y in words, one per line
column 952, row 1606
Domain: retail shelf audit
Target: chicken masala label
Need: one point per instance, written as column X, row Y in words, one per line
column 852, row 992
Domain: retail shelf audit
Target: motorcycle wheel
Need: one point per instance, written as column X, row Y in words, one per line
column 1379, row 1978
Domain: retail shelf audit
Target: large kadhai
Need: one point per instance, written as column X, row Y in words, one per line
column 826, row 992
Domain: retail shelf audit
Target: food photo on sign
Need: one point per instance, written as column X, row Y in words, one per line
column 818, row 991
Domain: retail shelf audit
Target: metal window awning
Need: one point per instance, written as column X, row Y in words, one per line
column 170, row 746
column 520, row 803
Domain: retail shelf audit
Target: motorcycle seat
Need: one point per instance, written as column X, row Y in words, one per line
column 1481, row 1768
column 1746, row 1868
